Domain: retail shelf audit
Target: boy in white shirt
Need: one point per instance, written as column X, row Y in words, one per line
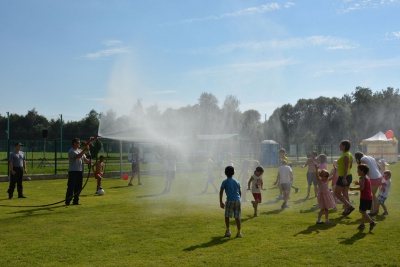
column 384, row 191
column 285, row 180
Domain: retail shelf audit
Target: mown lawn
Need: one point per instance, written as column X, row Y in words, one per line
column 139, row 226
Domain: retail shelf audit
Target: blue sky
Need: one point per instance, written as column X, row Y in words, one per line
column 68, row 57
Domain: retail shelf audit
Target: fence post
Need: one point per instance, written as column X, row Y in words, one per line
column 55, row 156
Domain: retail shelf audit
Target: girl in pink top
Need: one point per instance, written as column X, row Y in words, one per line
column 324, row 197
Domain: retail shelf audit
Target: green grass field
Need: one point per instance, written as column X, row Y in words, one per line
column 138, row 226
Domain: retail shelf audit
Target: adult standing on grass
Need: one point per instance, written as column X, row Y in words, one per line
column 374, row 175
column 345, row 162
column 232, row 205
column 17, row 163
column 77, row 159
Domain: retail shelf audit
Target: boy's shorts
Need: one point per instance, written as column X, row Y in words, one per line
column 311, row 178
column 257, row 197
column 286, row 186
column 381, row 199
column 365, row 204
column 233, row 207
column 135, row 167
column 97, row 175
column 349, row 179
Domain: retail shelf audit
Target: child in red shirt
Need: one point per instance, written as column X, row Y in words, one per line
column 365, row 196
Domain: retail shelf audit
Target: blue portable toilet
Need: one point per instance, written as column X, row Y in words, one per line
column 269, row 153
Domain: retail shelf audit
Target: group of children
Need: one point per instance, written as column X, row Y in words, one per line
column 98, row 170
column 325, row 197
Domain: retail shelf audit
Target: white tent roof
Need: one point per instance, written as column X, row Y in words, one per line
column 378, row 137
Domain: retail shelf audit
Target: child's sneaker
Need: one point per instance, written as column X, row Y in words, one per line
column 319, row 222
column 385, row 213
column 227, row 234
column 130, row 184
column 255, row 215
column 239, row 235
column 372, row 225
column 139, row 183
column 296, row 190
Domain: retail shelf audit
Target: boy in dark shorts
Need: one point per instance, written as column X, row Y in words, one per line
column 232, row 205
column 364, row 184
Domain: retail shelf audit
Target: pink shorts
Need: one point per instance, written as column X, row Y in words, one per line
column 97, row 175
column 257, row 197
column 376, row 182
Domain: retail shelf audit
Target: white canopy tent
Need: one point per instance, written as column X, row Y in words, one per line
column 378, row 146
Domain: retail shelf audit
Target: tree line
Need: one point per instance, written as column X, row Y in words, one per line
column 323, row 120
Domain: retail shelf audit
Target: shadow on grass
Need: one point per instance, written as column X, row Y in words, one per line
column 277, row 211
column 120, row 186
column 357, row 236
column 30, row 212
column 316, row 228
column 152, row 195
column 274, row 201
column 249, row 217
column 215, row 241
column 312, row 209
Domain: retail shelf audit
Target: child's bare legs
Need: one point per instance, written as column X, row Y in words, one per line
column 227, row 223
column 130, row 181
column 286, row 197
column 320, row 213
column 255, row 205
column 280, row 193
column 98, row 183
column 365, row 217
column 308, row 191
column 384, row 208
column 138, row 176
column 238, row 224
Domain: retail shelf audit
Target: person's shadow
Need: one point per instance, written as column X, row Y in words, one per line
column 312, row 209
column 271, row 212
column 215, row 241
column 351, row 240
column 316, row 228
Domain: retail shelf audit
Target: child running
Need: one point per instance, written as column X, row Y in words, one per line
column 384, row 191
column 324, row 197
column 365, row 196
column 232, row 205
column 285, row 181
column 98, row 170
column 256, row 187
